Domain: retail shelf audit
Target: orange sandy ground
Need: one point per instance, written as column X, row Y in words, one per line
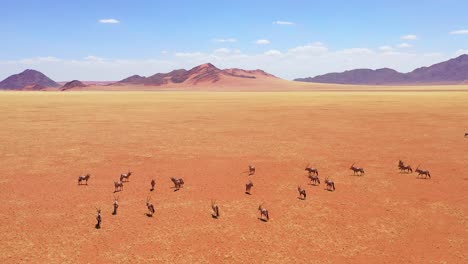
column 48, row 139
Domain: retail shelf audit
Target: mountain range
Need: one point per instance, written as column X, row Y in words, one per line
column 207, row 76
column 203, row 74
column 453, row 71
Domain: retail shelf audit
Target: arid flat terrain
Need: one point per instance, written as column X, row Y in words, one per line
column 49, row 139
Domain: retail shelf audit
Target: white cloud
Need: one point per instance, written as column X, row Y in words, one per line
column 354, row 51
column 223, row 40
column 38, row 60
column 459, row 32
column 272, row 52
column 94, row 58
column 109, row 21
column 461, row 52
column 287, row 23
column 404, row 45
column 262, row 42
column 222, row 51
column 386, row 48
column 300, row 61
column 309, row 49
column 188, row 54
column 409, row 37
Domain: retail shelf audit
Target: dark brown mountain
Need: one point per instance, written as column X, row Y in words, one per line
column 72, row 84
column 28, row 78
column 450, row 72
column 202, row 74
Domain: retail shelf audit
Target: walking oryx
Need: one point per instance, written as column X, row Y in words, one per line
column 98, row 218
column 118, row 186
column 263, row 213
column 150, row 207
column 302, row 193
column 178, row 183
column 311, row 170
column 357, row 170
column 153, row 183
column 116, row 205
column 330, row 184
column 84, row 178
column 251, row 169
column 314, row 179
column 125, row 176
column 420, row 172
column 404, row 168
column 248, row 187
column 215, row 208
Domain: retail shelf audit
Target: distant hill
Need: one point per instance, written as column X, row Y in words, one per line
column 203, row 74
column 453, row 71
column 72, row 84
column 27, row 79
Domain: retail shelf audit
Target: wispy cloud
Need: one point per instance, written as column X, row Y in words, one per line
column 262, row 42
column 272, row 52
column 109, row 21
column 409, row 37
column 459, row 32
column 280, row 22
column 404, row 45
column 308, row 50
column 297, row 61
column 224, row 40
column 386, row 48
column 188, row 54
column 93, row 58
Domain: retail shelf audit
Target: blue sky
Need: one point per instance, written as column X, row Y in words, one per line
column 70, row 39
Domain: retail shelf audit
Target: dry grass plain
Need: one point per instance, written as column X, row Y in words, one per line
column 49, row 138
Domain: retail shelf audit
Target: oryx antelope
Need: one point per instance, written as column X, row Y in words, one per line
column 98, row 218
column 356, row 170
column 116, row 205
column 406, row 168
column 153, row 183
column 118, row 186
column 178, row 183
column 215, row 207
column 248, row 187
column 311, row 170
column 403, row 167
column 263, row 213
column 330, row 184
column 125, row 176
column 424, row 173
column 150, row 207
column 84, row 178
column 251, row 169
column 302, row 193
column 314, row 179
column 466, row 134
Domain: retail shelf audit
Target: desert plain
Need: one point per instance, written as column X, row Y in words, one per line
column 48, row 139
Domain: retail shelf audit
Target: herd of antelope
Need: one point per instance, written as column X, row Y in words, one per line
column 313, row 175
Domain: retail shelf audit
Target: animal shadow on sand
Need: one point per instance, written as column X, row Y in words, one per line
column 262, row 219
